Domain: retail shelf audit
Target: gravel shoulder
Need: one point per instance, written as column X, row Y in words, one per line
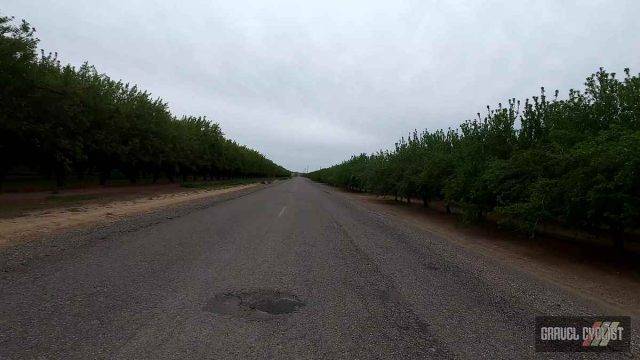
column 588, row 269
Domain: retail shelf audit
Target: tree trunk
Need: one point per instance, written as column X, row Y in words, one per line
column 59, row 182
column 618, row 241
column 80, row 173
column 2, row 174
column 105, row 174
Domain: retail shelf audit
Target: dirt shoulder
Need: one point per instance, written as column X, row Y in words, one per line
column 84, row 209
column 592, row 270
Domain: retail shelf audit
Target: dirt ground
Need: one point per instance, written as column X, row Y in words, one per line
column 31, row 215
column 23, row 203
column 589, row 268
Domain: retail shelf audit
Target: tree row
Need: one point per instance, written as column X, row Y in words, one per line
column 573, row 162
column 62, row 121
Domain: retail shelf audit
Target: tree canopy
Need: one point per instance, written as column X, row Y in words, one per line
column 60, row 121
column 574, row 161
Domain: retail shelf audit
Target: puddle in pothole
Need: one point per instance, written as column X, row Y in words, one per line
column 255, row 303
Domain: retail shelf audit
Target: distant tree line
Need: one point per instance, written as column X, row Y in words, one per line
column 575, row 162
column 63, row 121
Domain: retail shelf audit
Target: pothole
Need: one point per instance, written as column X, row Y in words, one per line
column 254, row 303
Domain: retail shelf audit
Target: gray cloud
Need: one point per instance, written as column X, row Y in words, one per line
column 309, row 84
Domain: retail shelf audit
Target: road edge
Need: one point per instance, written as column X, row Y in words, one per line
column 20, row 256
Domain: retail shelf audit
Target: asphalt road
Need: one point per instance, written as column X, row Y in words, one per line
column 218, row 282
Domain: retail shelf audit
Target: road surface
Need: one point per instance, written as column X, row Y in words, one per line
column 295, row 270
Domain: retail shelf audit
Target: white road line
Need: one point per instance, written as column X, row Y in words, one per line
column 282, row 211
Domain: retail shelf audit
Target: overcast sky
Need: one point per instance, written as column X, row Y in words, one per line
column 309, row 84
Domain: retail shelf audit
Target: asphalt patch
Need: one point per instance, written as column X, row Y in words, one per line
column 254, row 303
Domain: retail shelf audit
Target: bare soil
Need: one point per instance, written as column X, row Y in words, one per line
column 16, row 204
column 590, row 268
column 25, row 216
